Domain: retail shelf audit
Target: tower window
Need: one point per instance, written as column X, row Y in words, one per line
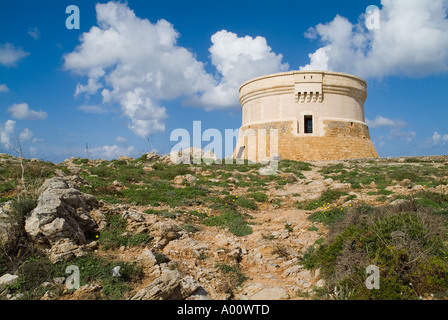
column 308, row 124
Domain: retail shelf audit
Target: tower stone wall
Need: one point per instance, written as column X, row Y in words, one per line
column 317, row 116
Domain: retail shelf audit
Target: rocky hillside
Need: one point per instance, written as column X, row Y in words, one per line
column 147, row 229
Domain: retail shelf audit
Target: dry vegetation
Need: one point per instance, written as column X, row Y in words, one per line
column 310, row 228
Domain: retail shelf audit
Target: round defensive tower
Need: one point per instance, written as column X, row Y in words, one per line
column 318, row 115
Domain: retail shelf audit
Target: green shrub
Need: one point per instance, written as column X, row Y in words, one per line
column 258, row 196
column 33, row 272
column 329, row 216
column 160, row 258
column 407, row 244
column 191, row 228
column 22, row 206
column 236, row 276
column 240, row 202
column 98, row 269
column 328, row 197
column 431, row 200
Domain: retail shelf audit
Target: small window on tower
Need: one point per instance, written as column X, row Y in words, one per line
column 308, row 124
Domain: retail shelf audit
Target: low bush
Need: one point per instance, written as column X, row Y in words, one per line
column 407, row 244
column 327, row 198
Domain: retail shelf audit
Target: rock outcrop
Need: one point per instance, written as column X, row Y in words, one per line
column 62, row 219
column 171, row 286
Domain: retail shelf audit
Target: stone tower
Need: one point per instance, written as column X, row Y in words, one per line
column 318, row 115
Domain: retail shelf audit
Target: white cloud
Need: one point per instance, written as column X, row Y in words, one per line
column 6, row 131
column 112, row 152
column 121, row 139
column 438, row 138
column 26, row 135
column 10, row 55
column 34, row 33
column 95, row 109
column 237, row 59
column 22, row 111
column 381, row 121
column 412, row 41
column 138, row 63
column 4, row 88
column 395, row 127
column 407, row 135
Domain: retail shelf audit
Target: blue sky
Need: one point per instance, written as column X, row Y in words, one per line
column 137, row 70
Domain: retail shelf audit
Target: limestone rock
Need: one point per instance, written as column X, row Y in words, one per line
column 124, row 158
column 151, row 156
column 441, row 189
column 189, row 155
column 399, row 202
column 164, row 232
column 271, row 293
column 147, row 258
column 184, row 178
column 288, row 177
column 61, row 218
column 169, row 286
column 86, row 291
column 344, row 187
column 320, row 283
column 417, row 188
column 188, row 286
column 7, row 280
column 292, row 271
column 258, row 291
column 100, row 219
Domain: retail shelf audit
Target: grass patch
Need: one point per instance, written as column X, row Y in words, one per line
column 96, row 269
column 258, row 196
column 327, row 198
column 329, row 216
column 115, row 235
column 231, row 219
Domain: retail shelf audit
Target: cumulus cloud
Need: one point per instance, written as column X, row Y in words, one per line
column 237, row 59
column 34, row 33
column 139, row 64
column 4, row 88
column 26, row 135
column 10, row 55
column 381, row 121
column 412, row 41
column 22, row 111
column 6, row 132
column 438, row 138
column 112, row 152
